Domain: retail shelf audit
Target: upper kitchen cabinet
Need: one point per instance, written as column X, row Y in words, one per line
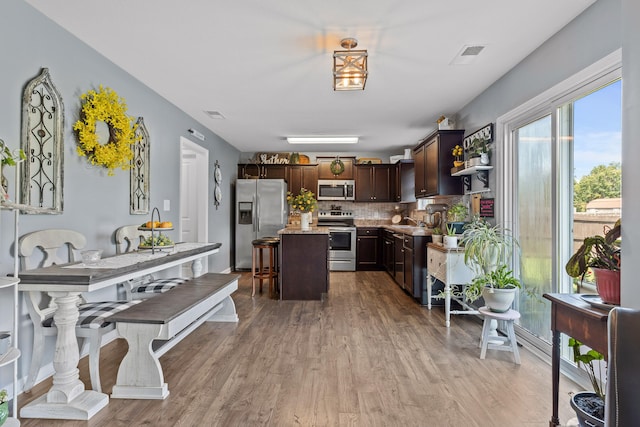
column 302, row 176
column 325, row 169
column 270, row 171
column 433, row 162
column 274, row 171
column 375, row 183
column 405, row 181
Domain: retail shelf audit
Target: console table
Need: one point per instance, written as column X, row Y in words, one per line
column 573, row 316
column 67, row 397
column 447, row 265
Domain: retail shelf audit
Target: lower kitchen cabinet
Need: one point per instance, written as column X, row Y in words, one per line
column 368, row 253
column 387, row 250
column 415, row 264
column 304, row 266
column 398, row 259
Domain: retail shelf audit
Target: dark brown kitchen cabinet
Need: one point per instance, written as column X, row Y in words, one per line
column 302, row 176
column 405, row 181
column 398, row 259
column 324, row 167
column 387, row 250
column 301, row 279
column 274, row 172
column 415, row 264
column 375, row 183
column 433, row 162
column 368, row 253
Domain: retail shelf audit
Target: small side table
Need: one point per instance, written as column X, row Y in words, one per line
column 485, row 342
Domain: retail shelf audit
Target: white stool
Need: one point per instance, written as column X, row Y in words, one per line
column 486, row 340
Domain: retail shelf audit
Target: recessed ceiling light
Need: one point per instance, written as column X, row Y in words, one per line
column 323, row 140
column 215, row 115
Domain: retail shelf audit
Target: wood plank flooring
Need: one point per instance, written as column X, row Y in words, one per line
column 366, row 356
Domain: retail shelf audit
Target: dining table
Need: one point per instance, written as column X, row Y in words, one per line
column 67, row 398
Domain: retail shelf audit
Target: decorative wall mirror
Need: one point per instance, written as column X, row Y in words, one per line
column 42, row 143
column 139, row 172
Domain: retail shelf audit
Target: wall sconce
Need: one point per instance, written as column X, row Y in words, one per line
column 349, row 66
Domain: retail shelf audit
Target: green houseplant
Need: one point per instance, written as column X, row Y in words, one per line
column 436, row 235
column 8, row 158
column 589, row 406
column 4, row 406
column 487, row 251
column 601, row 254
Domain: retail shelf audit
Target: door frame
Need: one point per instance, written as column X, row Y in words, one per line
column 201, row 191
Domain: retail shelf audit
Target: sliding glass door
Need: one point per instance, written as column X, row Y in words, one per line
column 566, row 184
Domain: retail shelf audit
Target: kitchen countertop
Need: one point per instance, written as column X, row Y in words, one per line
column 295, row 229
column 396, row 228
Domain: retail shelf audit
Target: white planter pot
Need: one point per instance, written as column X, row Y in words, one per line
column 305, row 221
column 450, row 242
column 436, row 238
column 498, row 300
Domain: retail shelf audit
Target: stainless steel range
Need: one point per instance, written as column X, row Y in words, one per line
column 342, row 238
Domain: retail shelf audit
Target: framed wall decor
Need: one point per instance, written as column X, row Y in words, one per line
column 42, row 143
column 139, row 173
column 217, row 175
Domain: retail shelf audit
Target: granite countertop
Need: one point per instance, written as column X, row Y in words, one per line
column 396, row 228
column 295, row 229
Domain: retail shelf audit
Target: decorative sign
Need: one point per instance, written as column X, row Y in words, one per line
column 485, row 133
column 272, row 158
column 487, row 209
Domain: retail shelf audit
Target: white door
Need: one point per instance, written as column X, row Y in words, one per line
column 194, row 191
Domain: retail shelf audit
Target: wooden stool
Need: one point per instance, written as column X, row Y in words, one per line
column 485, row 342
column 259, row 270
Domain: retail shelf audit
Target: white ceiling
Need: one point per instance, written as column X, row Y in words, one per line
column 266, row 64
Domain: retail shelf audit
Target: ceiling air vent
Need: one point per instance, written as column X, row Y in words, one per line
column 467, row 54
column 215, row 115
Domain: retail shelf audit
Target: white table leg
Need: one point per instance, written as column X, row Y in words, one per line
column 67, row 398
column 196, row 267
column 429, row 290
column 447, row 304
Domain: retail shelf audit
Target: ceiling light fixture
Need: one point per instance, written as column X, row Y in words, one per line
column 349, row 66
column 323, row 140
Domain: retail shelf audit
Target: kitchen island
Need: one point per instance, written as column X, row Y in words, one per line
column 304, row 263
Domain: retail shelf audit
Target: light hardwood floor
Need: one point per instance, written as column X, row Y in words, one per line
column 367, row 356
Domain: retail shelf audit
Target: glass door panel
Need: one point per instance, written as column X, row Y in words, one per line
column 534, row 219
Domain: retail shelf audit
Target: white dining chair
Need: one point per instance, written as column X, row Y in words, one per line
column 59, row 246
column 128, row 238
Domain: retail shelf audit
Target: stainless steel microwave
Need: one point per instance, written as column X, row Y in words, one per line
column 336, row 189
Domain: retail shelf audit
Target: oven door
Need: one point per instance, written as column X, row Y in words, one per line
column 342, row 248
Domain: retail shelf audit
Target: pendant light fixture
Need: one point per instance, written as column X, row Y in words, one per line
column 349, row 66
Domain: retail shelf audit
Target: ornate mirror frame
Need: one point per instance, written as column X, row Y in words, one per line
column 42, row 143
column 139, row 173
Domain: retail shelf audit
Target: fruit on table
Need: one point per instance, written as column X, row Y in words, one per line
column 165, row 224
column 160, row 240
column 151, row 224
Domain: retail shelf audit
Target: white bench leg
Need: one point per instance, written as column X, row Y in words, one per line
column 512, row 340
column 227, row 313
column 140, row 374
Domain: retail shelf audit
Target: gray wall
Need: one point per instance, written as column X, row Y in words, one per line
column 94, row 203
column 602, row 29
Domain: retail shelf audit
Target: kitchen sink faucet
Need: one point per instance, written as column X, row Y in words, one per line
column 416, row 222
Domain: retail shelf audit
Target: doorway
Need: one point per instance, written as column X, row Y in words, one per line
column 194, row 196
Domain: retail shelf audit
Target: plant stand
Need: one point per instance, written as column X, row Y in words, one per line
column 486, row 341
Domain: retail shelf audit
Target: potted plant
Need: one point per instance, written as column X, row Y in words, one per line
column 4, row 406
column 436, row 235
column 305, row 203
column 8, row 158
column 450, row 239
column 497, row 287
column 601, row 254
column 589, row 406
column 457, row 215
column 487, row 250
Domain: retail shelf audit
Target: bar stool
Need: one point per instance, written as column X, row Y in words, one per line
column 486, row 341
column 259, row 270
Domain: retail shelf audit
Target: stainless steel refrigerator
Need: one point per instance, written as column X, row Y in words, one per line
column 261, row 210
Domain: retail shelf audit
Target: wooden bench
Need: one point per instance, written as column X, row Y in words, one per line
column 168, row 317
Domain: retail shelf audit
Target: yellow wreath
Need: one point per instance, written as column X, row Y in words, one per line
column 105, row 105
